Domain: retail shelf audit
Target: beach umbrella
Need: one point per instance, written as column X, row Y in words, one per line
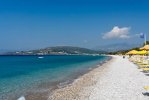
column 132, row 52
column 141, row 48
column 143, row 52
column 146, row 47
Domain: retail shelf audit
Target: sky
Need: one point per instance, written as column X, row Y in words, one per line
column 32, row 24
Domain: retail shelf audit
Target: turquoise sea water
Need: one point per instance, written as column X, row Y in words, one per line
column 21, row 74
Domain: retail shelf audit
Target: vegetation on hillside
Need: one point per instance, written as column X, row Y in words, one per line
column 57, row 50
column 125, row 51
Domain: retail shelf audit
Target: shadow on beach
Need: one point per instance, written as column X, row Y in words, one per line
column 145, row 94
column 144, row 72
column 147, row 74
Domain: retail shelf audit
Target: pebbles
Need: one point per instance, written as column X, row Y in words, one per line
column 122, row 81
column 117, row 79
column 75, row 91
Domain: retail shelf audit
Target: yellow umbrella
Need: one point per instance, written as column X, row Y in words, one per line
column 132, row 52
column 143, row 52
column 141, row 48
column 146, row 47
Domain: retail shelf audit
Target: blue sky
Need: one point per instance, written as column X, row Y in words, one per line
column 31, row 24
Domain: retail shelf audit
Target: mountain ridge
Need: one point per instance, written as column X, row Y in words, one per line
column 57, row 50
column 116, row 47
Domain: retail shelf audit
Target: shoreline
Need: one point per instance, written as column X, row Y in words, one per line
column 72, row 90
column 117, row 79
column 62, row 85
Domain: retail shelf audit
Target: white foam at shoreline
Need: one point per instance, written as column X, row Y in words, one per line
column 21, row 98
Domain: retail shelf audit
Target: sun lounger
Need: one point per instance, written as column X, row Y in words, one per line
column 146, row 88
column 140, row 63
column 145, row 69
column 143, row 66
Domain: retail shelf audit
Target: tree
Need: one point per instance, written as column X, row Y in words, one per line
column 147, row 42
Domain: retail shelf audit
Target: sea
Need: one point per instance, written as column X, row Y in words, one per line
column 21, row 76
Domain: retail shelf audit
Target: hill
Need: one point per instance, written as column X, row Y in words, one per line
column 125, row 51
column 117, row 47
column 56, row 51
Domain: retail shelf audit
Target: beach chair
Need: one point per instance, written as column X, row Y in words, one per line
column 146, row 88
column 144, row 66
column 146, row 93
column 145, row 69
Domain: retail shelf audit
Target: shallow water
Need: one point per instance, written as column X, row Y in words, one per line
column 21, row 74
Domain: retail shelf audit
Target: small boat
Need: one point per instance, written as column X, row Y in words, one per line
column 40, row 57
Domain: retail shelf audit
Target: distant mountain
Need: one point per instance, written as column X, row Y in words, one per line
column 116, row 47
column 56, row 50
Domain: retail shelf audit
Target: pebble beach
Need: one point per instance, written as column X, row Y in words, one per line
column 118, row 79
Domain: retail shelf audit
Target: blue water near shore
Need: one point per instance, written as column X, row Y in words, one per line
column 19, row 74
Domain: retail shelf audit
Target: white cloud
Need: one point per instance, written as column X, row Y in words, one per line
column 117, row 32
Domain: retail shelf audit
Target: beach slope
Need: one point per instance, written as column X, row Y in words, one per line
column 118, row 79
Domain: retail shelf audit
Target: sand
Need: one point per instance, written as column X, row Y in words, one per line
column 118, row 79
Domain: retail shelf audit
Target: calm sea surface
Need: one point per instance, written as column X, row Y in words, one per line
column 21, row 74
